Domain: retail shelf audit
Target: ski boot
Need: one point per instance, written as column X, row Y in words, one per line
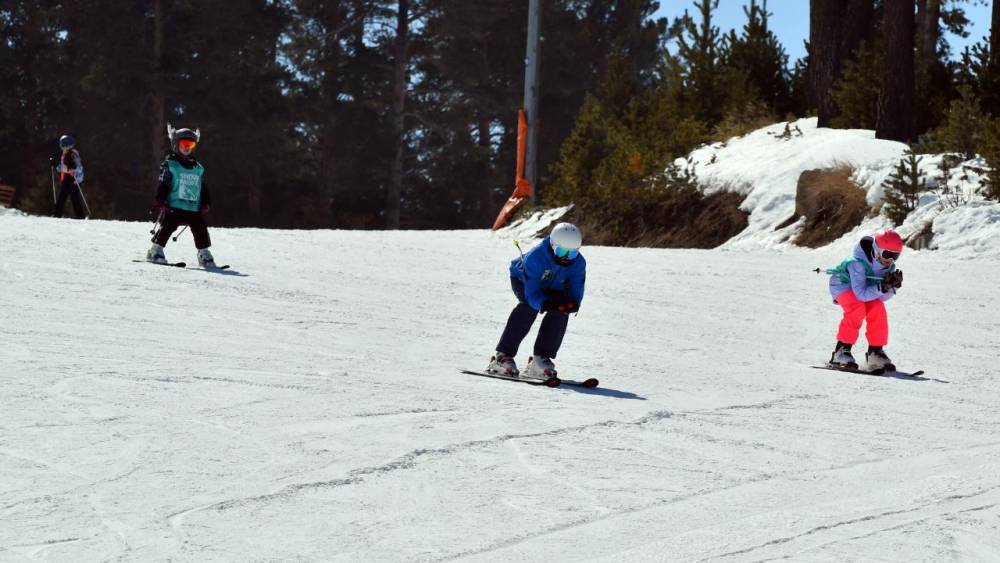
column 205, row 259
column 503, row 364
column 878, row 361
column 540, row 368
column 155, row 254
column 842, row 358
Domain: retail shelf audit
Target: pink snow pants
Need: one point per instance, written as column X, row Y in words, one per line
column 856, row 312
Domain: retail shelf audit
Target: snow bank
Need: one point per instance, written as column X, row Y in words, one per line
column 10, row 211
column 535, row 225
column 765, row 165
column 970, row 230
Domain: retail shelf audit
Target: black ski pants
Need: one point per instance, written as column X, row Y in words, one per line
column 173, row 218
column 550, row 334
column 68, row 189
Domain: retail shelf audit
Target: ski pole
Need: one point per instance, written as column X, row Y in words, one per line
column 84, row 198
column 180, row 233
column 817, row 270
column 52, row 169
column 156, row 223
column 517, row 243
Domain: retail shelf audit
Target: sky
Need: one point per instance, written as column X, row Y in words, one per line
column 790, row 21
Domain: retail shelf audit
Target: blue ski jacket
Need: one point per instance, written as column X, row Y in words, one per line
column 861, row 273
column 540, row 272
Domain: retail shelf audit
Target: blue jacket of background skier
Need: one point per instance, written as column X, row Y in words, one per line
column 540, row 272
column 862, row 273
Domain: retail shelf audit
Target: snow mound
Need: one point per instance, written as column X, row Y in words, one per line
column 765, row 165
column 535, row 225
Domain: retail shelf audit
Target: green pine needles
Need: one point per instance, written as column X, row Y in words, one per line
column 904, row 187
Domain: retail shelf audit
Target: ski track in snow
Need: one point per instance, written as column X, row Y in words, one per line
column 313, row 410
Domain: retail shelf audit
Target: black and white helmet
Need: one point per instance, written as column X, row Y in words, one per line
column 176, row 135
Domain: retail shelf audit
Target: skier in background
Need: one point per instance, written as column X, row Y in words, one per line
column 182, row 197
column 550, row 278
column 861, row 285
column 69, row 166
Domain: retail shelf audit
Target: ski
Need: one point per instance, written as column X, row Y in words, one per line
column 174, row 264
column 871, row 372
column 551, row 382
column 215, row 269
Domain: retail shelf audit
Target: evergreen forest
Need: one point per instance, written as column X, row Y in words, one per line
column 373, row 114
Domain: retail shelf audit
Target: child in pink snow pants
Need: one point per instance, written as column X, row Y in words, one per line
column 861, row 285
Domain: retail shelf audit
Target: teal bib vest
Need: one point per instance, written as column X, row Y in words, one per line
column 185, row 190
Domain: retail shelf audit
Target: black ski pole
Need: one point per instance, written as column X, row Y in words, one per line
column 180, row 233
column 52, row 169
column 84, row 198
column 817, row 270
column 156, row 224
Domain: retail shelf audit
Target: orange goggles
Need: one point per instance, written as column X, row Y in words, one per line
column 187, row 144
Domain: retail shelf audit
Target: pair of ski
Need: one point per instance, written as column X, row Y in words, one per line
column 550, row 382
column 184, row 265
column 882, row 372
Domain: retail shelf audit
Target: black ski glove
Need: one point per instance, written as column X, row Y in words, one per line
column 894, row 280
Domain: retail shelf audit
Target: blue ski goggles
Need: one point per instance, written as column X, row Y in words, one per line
column 569, row 253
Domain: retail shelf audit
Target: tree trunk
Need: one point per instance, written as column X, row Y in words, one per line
column 330, row 92
column 930, row 30
column 895, row 99
column 995, row 34
column 158, row 99
column 400, row 59
column 825, row 18
column 857, row 24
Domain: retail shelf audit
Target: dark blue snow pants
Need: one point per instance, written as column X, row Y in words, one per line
column 550, row 334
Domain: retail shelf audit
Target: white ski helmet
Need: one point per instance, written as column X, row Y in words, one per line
column 566, row 235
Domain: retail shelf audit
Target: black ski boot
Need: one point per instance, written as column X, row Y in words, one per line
column 878, row 361
column 842, row 358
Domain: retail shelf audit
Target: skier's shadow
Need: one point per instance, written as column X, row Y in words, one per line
column 907, row 377
column 226, row 272
column 604, row 392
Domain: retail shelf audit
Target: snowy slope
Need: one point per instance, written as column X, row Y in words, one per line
column 311, row 409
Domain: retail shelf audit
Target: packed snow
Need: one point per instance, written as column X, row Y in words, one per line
column 308, row 406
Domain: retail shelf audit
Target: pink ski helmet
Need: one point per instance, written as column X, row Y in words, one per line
column 888, row 244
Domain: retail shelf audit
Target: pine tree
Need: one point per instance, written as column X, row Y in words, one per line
column 856, row 92
column 963, row 129
column 990, row 185
column 903, row 188
column 950, row 196
column 757, row 64
column 699, row 52
column 978, row 71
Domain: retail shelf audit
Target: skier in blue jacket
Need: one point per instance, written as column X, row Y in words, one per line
column 550, row 279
